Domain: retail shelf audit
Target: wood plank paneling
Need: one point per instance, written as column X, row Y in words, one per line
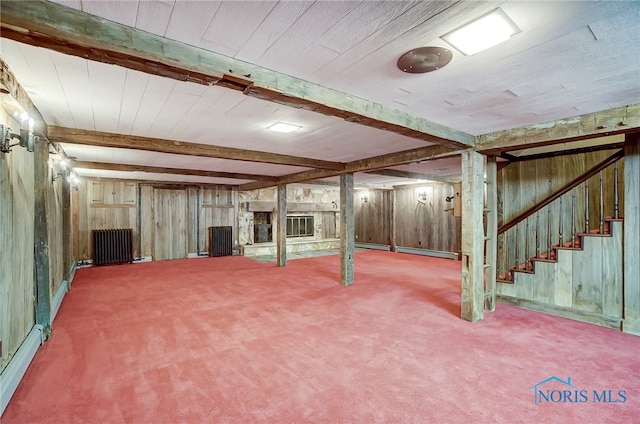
column 17, row 243
column 544, row 282
column 114, row 204
column 612, row 271
column 170, row 224
column 56, row 234
column 563, row 279
column 426, row 225
column 373, row 216
column 105, row 204
column 146, row 223
column 632, row 235
column 587, row 276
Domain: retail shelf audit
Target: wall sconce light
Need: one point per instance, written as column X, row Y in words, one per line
column 59, row 169
column 74, row 181
column 422, row 195
column 364, row 198
column 25, row 138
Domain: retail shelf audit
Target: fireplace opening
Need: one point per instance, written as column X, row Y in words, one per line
column 299, row 226
column 262, row 227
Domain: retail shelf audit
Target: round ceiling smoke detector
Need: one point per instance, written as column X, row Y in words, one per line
column 424, row 59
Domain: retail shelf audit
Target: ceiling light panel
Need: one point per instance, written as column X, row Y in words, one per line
column 283, row 127
column 487, row 31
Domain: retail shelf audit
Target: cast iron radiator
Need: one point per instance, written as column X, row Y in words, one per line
column 112, row 246
column 220, row 241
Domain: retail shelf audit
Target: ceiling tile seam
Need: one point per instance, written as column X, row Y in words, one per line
column 256, row 29
column 314, row 42
column 66, row 98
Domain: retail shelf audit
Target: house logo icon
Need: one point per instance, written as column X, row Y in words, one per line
column 539, row 394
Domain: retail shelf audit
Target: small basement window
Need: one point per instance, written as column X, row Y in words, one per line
column 299, row 226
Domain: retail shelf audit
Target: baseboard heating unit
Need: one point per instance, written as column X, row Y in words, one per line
column 13, row 373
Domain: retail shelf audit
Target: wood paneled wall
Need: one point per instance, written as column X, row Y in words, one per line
column 429, row 225
column 17, row 238
column 103, row 204
column 373, row 217
column 56, row 236
column 16, row 242
column 169, row 215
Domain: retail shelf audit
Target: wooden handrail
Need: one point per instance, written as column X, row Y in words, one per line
column 564, row 189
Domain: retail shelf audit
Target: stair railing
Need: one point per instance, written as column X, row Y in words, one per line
column 512, row 256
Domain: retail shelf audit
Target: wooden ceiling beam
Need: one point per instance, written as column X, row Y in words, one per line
column 161, row 170
column 368, row 164
column 161, row 183
column 104, row 139
column 69, row 31
column 621, row 120
column 414, row 175
column 556, row 153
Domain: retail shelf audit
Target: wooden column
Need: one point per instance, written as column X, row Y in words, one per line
column 282, row 225
column 392, row 221
column 472, row 303
column 347, row 235
column 492, row 233
column 42, row 186
column 631, row 260
column 67, row 243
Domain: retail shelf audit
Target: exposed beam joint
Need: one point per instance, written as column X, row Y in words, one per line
column 104, row 139
column 621, row 120
column 73, row 32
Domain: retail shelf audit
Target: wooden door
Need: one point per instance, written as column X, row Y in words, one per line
column 170, row 224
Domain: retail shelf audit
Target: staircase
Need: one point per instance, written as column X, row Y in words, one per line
column 553, row 260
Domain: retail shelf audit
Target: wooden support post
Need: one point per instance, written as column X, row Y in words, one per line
column 347, row 233
column 472, row 303
column 492, row 233
column 631, row 260
column 282, row 225
column 67, row 243
column 392, row 222
column 42, row 187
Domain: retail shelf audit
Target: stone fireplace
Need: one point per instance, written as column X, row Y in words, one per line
column 312, row 220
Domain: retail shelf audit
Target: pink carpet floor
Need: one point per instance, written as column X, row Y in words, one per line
column 233, row 340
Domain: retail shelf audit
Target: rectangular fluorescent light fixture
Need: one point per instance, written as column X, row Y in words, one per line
column 283, row 128
column 487, row 31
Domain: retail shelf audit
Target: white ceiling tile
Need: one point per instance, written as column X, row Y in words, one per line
column 156, row 94
column 107, row 90
column 135, row 86
column 228, row 39
column 305, row 31
column 360, row 22
column 122, row 12
column 153, row 16
column 190, row 20
column 283, row 15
